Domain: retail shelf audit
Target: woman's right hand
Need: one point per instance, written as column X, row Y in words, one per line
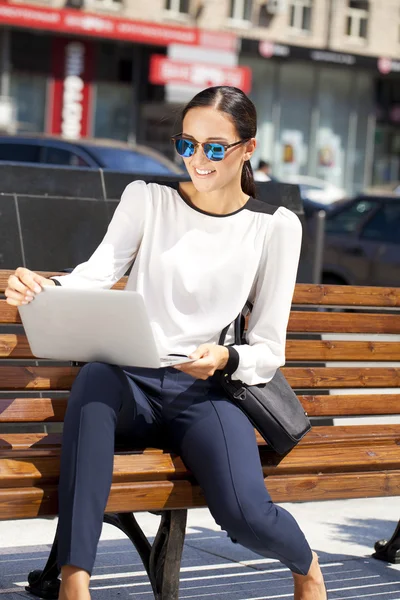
column 23, row 286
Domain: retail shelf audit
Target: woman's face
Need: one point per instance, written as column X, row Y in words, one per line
column 207, row 124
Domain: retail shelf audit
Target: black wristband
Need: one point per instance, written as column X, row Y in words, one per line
column 233, row 361
column 55, row 281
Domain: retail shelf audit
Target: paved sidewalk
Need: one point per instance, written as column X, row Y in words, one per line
column 342, row 532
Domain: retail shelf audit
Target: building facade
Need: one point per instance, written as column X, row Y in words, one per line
column 325, row 80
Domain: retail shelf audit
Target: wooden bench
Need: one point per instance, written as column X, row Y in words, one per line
column 333, row 461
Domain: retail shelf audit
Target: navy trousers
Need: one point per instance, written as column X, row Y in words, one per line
column 169, row 409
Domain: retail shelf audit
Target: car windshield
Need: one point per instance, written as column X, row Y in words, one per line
column 347, row 220
column 128, row 160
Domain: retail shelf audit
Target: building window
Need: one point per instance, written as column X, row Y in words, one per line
column 177, row 7
column 240, row 12
column 104, row 4
column 357, row 19
column 300, row 15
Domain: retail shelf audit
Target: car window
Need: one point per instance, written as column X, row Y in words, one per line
column 384, row 226
column 349, row 218
column 128, row 160
column 61, row 157
column 19, row 152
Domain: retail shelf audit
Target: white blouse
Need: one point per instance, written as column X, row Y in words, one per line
column 196, row 270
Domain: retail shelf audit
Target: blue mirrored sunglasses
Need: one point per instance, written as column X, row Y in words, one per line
column 212, row 150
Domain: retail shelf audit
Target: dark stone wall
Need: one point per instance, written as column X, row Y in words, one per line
column 52, row 218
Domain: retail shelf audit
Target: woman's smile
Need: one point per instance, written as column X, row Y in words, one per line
column 202, row 173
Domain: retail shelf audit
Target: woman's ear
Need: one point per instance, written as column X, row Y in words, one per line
column 251, row 145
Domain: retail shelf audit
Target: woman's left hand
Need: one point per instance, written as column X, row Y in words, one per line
column 209, row 358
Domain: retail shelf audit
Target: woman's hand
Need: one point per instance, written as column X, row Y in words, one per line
column 209, row 358
column 23, row 285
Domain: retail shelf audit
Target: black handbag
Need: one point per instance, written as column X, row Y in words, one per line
column 273, row 408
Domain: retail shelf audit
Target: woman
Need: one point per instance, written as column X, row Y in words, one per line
column 200, row 252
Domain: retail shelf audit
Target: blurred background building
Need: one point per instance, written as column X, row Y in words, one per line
column 324, row 75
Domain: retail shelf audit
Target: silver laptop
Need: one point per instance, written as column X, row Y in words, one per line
column 109, row 326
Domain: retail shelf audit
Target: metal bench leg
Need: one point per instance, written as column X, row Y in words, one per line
column 45, row 583
column 162, row 560
column 166, row 555
column 389, row 551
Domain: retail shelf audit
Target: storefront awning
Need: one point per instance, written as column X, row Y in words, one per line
column 104, row 26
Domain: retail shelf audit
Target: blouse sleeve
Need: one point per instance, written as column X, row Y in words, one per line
column 118, row 249
column 266, row 335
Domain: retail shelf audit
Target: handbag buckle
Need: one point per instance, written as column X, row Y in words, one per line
column 240, row 394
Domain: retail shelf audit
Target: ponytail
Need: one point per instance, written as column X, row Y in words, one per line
column 248, row 184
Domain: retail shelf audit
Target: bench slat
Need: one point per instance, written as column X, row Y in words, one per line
column 38, row 410
column 305, row 293
column 331, row 405
column 61, row 378
column 34, row 502
column 329, row 350
column 142, row 466
column 37, row 378
column 346, row 295
column 29, row 443
column 342, row 377
column 13, row 346
column 32, row 410
column 338, row 322
column 299, row 321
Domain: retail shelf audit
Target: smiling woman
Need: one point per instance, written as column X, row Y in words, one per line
column 199, row 251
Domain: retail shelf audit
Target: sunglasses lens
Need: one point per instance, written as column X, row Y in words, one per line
column 214, row 151
column 184, row 147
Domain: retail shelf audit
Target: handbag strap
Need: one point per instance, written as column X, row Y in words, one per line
column 238, row 327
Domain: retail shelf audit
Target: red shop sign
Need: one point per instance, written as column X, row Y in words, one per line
column 71, row 87
column 84, row 23
column 164, row 70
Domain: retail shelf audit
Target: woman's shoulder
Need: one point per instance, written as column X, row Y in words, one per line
column 149, row 192
column 277, row 214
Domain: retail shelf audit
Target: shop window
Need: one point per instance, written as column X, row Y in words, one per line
column 357, row 19
column 177, row 7
column 104, row 4
column 28, row 91
column 300, row 12
column 241, row 12
column 113, row 110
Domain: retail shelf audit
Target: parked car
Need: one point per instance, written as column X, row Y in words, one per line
column 87, row 153
column 362, row 241
column 317, row 190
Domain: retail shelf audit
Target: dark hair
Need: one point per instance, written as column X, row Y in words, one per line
column 262, row 164
column 239, row 107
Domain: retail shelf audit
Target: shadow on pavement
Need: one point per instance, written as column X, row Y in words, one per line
column 214, row 568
